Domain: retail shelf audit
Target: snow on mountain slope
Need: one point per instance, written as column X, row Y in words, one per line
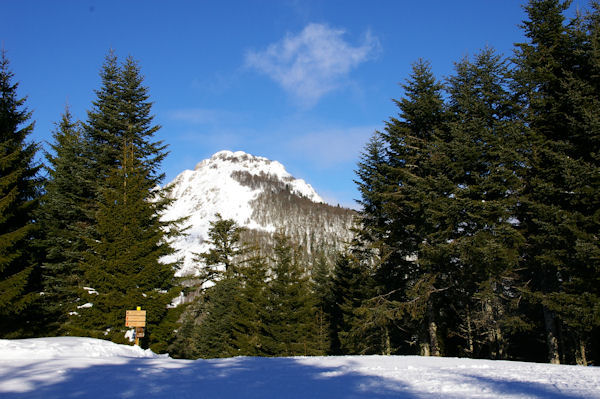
column 228, row 183
column 70, row 367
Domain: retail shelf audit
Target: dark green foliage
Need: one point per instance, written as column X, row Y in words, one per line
column 558, row 80
column 226, row 311
column 67, row 218
column 251, row 317
column 19, row 199
column 126, row 242
column 480, row 206
column 121, row 117
column 215, row 334
column 321, row 289
column 123, row 265
column 219, row 261
column 291, row 327
column 351, row 284
column 482, row 234
column 227, row 318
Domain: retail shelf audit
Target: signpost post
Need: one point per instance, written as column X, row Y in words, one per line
column 136, row 318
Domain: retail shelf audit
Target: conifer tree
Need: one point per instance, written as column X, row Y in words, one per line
column 351, row 285
column 414, row 174
column 224, row 315
column 371, row 186
column 322, row 291
column 67, row 217
column 124, row 266
column 557, row 82
column 250, row 311
column 486, row 146
column 225, row 251
column 291, row 324
column 215, row 335
column 394, row 221
column 127, row 240
column 19, row 198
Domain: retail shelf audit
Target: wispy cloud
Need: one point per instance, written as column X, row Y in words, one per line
column 314, row 62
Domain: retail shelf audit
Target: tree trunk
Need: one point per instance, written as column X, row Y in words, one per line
column 387, row 350
column 434, row 343
column 551, row 337
column 423, row 338
column 580, row 357
column 470, row 345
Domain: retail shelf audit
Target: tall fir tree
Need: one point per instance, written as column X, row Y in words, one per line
column 123, row 266
column 67, row 217
column 128, row 238
column 486, row 149
column 413, row 141
column 558, row 83
column 351, row 285
column 19, row 199
column 225, row 250
column 394, row 185
column 321, row 289
column 291, row 327
column 251, row 303
column 222, row 317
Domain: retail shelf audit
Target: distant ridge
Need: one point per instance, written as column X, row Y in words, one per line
column 260, row 195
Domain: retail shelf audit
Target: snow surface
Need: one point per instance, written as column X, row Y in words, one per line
column 69, row 367
column 210, row 188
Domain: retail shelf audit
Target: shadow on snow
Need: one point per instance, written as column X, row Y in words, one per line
column 243, row 377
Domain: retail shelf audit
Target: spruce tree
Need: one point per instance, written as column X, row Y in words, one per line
column 66, row 217
column 214, row 336
column 290, row 328
column 486, row 148
column 351, row 285
column 413, row 154
column 557, row 82
column 225, row 250
column 224, row 315
column 321, row 289
column 371, row 186
column 19, row 199
column 395, row 185
column 124, row 266
column 128, row 240
column 250, row 311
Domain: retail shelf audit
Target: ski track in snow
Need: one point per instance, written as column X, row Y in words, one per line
column 69, row 367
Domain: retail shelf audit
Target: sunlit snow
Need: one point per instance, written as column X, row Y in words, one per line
column 67, row 367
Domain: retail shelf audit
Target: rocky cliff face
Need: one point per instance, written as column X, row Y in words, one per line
column 259, row 195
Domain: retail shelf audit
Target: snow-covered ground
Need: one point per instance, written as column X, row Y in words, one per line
column 53, row 368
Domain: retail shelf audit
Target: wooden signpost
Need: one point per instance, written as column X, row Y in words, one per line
column 136, row 318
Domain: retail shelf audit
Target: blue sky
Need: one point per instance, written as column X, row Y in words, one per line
column 302, row 82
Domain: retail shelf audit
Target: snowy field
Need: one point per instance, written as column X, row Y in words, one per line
column 86, row 368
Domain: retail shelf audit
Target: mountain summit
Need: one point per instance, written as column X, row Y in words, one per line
column 259, row 195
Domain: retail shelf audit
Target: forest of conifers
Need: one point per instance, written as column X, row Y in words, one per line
column 477, row 232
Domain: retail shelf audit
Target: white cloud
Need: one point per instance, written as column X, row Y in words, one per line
column 312, row 63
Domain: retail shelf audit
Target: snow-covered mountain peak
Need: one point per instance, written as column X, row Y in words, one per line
column 228, row 183
column 240, row 157
column 227, row 162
